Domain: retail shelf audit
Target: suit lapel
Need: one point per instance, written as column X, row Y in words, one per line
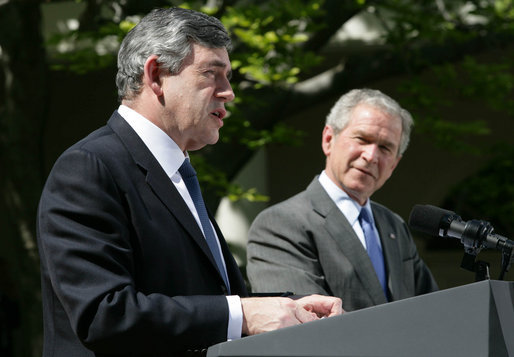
column 343, row 234
column 159, row 181
column 237, row 284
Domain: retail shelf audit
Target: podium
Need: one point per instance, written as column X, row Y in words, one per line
column 471, row 320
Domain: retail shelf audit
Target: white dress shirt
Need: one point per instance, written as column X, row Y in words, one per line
column 349, row 207
column 170, row 157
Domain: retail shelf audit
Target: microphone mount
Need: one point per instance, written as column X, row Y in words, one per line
column 478, row 235
column 475, row 235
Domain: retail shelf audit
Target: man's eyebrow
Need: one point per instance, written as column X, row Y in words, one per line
column 221, row 65
column 390, row 145
column 387, row 143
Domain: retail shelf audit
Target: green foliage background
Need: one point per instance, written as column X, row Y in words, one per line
column 278, row 44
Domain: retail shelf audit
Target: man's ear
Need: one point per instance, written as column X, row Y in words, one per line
column 326, row 139
column 152, row 75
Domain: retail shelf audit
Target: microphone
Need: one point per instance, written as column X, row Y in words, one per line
column 474, row 234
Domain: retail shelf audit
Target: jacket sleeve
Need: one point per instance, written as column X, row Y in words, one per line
column 282, row 254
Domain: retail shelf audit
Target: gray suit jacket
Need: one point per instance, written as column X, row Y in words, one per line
column 306, row 245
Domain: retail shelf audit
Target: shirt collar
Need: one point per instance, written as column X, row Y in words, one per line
column 350, row 208
column 162, row 147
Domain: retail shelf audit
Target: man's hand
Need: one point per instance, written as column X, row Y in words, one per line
column 271, row 313
column 322, row 306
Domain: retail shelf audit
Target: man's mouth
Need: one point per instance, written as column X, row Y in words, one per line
column 364, row 171
column 219, row 113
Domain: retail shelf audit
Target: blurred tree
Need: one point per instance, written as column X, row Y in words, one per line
column 23, row 106
column 284, row 61
column 487, row 195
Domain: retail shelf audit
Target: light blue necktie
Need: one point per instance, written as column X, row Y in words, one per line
column 188, row 174
column 373, row 248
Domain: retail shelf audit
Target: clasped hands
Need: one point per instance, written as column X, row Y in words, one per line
column 265, row 314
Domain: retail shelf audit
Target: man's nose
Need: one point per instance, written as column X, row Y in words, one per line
column 370, row 153
column 225, row 92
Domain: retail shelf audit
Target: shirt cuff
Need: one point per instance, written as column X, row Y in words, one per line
column 235, row 317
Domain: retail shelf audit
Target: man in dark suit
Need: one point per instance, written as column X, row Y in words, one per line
column 131, row 262
column 331, row 238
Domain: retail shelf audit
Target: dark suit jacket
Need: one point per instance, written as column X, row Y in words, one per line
column 125, row 267
column 306, row 245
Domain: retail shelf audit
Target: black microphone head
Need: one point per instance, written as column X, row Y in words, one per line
column 428, row 219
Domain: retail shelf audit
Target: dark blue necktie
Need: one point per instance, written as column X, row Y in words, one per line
column 188, row 174
column 373, row 248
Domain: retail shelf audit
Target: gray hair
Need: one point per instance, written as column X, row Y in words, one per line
column 341, row 112
column 169, row 34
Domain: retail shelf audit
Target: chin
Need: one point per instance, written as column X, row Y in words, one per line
column 209, row 138
column 214, row 139
column 357, row 191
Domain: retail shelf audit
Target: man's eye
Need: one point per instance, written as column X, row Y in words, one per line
column 209, row 73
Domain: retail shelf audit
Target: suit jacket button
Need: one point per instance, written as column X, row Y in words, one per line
column 224, row 289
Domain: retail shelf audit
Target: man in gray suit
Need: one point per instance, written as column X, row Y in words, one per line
column 331, row 238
